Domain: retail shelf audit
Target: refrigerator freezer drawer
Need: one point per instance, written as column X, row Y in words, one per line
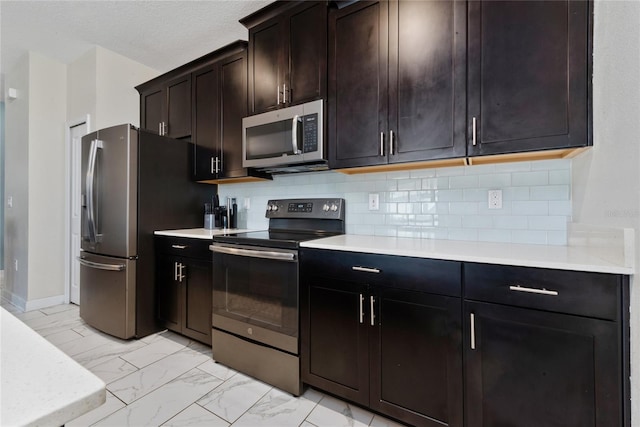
column 107, row 294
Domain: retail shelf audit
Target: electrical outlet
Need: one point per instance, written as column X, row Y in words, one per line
column 495, row 199
column 247, row 203
column 10, row 201
column 374, row 201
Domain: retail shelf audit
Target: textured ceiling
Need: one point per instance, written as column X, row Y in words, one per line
column 159, row 34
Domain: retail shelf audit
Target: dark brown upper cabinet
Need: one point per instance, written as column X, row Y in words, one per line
column 529, row 76
column 287, row 54
column 219, row 95
column 165, row 106
column 397, row 75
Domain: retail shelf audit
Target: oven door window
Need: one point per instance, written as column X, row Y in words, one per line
column 257, row 291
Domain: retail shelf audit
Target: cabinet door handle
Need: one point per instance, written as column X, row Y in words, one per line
column 473, row 330
column 160, row 128
column 373, row 316
column 218, row 167
column 382, row 144
column 164, row 128
column 361, row 318
column 179, row 246
column 278, row 93
column 212, row 166
column 284, row 93
column 392, row 141
column 473, row 130
column 181, row 275
column 365, row 269
column 542, row 291
column 175, row 271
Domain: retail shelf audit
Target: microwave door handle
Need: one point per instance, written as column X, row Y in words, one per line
column 294, row 132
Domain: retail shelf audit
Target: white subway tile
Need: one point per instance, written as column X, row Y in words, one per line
column 519, row 179
column 409, row 184
column 462, row 234
column 450, row 171
column 373, row 219
column 435, row 183
column 409, row 208
column 513, row 167
column 449, row 195
column 557, row 238
column 560, row 176
column 399, row 175
column 477, row 221
column 413, row 232
column 389, row 208
column 489, row 235
column 423, row 173
column 550, row 192
column 359, row 229
column 359, row 197
column 385, row 231
column 424, row 220
column 399, row 219
column 397, row 196
column 447, row 221
column 496, row 180
column 560, row 207
column 515, row 193
column 465, row 181
column 463, row 208
column 474, row 195
column 391, row 185
column 479, row 169
column 510, row 222
column 435, row 233
column 529, row 236
column 422, row 196
column 551, row 164
column 530, row 208
column 547, row 222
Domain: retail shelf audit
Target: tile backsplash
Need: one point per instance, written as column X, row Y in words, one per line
column 442, row 203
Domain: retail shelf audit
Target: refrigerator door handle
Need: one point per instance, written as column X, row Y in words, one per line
column 101, row 266
column 90, row 189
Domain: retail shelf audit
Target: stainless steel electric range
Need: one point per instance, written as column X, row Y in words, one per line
column 255, row 290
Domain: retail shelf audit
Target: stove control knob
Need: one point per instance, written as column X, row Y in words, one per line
column 334, row 207
column 274, row 208
column 325, row 207
column 268, row 208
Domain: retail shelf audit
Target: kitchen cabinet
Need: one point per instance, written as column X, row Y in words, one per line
column 397, row 76
column 384, row 332
column 545, row 347
column 529, row 76
column 165, row 106
column 219, row 93
column 287, row 54
column 184, row 281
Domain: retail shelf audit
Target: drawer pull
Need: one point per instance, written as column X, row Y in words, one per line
column 179, row 246
column 543, row 291
column 361, row 308
column 366, row 269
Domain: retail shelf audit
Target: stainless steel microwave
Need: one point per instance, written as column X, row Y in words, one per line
column 285, row 140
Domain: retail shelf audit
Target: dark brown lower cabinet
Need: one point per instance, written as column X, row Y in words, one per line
column 184, row 287
column 535, row 368
column 395, row 350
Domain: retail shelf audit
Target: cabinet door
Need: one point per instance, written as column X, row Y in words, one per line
column 533, row 368
column 427, row 75
column 168, row 292
column 196, row 292
column 178, row 120
column 335, row 344
column 206, row 118
column 307, row 53
column 266, row 73
column 233, row 72
column 152, row 105
column 357, row 107
column 416, row 358
column 528, row 75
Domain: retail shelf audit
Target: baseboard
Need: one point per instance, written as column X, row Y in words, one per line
column 15, row 300
column 37, row 304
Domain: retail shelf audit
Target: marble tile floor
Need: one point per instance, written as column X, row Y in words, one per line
column 169, row 380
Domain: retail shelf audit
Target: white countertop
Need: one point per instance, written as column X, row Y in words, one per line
column 200, row 233
column 40, row 384
column 577, row 258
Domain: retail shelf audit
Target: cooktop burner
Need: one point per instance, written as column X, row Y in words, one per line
column 292, row 221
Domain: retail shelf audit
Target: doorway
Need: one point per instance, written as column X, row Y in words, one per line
column 75, row 131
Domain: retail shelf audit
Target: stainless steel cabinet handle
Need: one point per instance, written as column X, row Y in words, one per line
column 473, row 330
column 175, row 271
column 159, row 128
column 373, row 316
column 473, row 126
column 181, row 274
column 542, row 291
column 100, row 266
column 366, row 269
column 179, row 246
column 278, row 92
column 284, row 93
column 272, row 255
column 381, row 143
column 212, row 167
column 218, row 165
column 392, row 140
column 361, row 308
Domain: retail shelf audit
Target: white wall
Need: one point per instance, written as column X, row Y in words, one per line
column 81, row 87
column 16, row 184
column 606, row 179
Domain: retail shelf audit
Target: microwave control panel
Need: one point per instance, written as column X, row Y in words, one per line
column 310, row 133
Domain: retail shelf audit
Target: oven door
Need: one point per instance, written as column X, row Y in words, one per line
column 255, row 294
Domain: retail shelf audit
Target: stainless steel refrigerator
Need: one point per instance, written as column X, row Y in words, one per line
column 133, row 183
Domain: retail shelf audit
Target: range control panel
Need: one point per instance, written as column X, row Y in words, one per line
column 306, row 208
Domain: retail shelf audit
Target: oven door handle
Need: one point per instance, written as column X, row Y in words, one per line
column 277, row 256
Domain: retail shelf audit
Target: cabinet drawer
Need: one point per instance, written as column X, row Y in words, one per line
column 419, row 274
column 181, row 246
column 572, row 292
